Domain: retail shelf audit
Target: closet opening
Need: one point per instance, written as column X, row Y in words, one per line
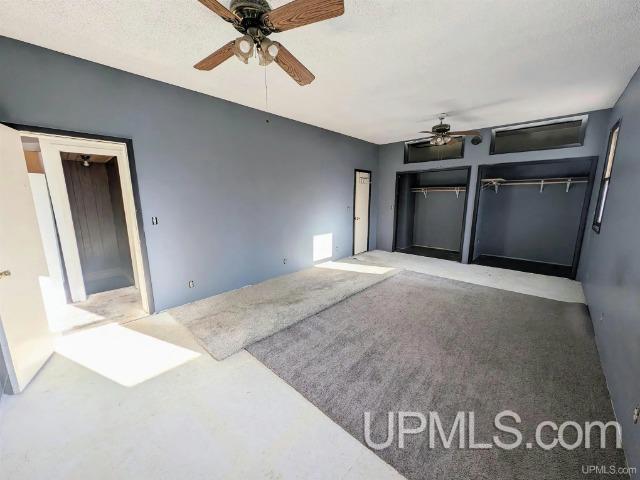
column 430, row 212
column 530, row 216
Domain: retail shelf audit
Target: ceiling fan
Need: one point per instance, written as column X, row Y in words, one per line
column 442, row 134
column 256, row 21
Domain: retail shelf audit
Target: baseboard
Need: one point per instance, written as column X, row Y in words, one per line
column 440, row 253
column 529, row 266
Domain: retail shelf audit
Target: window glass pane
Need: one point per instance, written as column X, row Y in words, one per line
column 612, row 151
column 539, row 137
column 424, row 152
column 606, row 177
column 603, row 198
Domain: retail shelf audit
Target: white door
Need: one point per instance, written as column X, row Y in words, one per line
column 361, row 212
column 25, row 338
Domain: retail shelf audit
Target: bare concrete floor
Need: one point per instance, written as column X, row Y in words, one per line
column 119, row 306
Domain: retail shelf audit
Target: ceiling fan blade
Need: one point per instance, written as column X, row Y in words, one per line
column 292, row 66
column 426, row 131
column 302, row 12
column 216, row 58
column 219, row 9
column 465, row 133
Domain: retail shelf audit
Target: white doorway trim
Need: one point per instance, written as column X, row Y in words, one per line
column 51, row 147
column 361, row 210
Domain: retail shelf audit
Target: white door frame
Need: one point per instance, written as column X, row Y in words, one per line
column 356, row 218
column 51, row 146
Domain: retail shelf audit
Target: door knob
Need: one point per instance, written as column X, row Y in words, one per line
column 5, row 273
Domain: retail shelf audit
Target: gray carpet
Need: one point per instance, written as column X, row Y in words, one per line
column 226, row 323
column 422, row 343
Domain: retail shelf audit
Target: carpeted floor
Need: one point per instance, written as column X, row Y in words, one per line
column 224, row 324
column 421, row 343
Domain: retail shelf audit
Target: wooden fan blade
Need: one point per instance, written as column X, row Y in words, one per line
column 302, row 12
column 219, row 9
column 216, row 58
column 292, row 66
column 465, row 133
column 426, row 131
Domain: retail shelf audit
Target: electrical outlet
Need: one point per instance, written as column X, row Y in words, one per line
column 284, row 260
column 154, row 220
column 636, row 414
column 192, row 284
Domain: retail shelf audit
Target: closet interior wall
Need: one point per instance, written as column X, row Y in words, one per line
column 97, row 208
column 530, row 217
column 430, row 212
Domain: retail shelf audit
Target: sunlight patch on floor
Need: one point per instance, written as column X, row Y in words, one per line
column 352, row 267
column 121, row 354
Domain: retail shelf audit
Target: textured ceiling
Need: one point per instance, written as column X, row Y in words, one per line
column 384, row 70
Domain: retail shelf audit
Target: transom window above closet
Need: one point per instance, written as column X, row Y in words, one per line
column 419, row 151
column 559, row 133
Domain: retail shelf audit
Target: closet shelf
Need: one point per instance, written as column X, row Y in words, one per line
column 457, row 189
column 495, row 183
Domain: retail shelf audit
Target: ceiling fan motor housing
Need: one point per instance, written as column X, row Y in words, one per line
column 441, row 128
column 251, row 11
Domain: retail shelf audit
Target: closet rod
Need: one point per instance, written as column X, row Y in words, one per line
column 425, row 190
column 542, row 182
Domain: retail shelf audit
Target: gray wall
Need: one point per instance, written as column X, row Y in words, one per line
column 391, row 158
column 438, row 220
column 234, row 195
column 521, row 222
column 610, row 270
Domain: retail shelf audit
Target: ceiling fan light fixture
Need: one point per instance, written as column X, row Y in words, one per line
column 267, row 52
column 272, row 50
column 243, row 48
